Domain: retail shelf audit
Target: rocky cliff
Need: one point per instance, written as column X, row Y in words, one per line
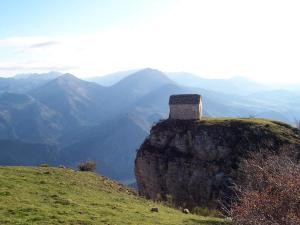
column 194, row 163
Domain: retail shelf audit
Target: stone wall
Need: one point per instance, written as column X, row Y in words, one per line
column 185, row 111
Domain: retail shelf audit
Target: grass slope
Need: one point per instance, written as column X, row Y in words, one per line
column 61, row 196
column 281, row 130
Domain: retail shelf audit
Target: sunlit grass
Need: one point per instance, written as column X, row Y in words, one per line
column 62, row 196
column 283, row 131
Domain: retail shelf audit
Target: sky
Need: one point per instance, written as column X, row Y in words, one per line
column 258, row 39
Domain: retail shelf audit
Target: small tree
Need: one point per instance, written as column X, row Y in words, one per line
column 87, row 166
column 297, row 123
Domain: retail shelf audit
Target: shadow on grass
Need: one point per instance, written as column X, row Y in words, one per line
column 206, row 222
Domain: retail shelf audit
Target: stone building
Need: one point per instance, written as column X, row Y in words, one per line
column 185, row 107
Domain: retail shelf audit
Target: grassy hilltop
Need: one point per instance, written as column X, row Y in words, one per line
column 44, row 195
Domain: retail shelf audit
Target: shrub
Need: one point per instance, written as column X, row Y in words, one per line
column 269, row 192
column 44, row 165
column 87, row 166
column 169, row 200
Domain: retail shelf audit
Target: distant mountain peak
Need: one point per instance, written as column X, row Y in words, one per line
column 66, row 76
column 114, row 78
column 149, row 70
column 144, row 75
column 46, row 76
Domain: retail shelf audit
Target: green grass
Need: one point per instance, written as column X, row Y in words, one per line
column 283, row 131
column 61, row 196
column 246, row 120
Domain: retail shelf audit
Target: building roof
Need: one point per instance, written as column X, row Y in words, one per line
column 184, row 99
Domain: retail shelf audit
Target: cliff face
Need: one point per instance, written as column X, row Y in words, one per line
column 195, row 162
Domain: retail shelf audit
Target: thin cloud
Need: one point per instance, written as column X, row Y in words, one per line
column 13, row 68
column 45, row 44
column 56, row 68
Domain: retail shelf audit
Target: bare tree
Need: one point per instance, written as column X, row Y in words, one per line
column 297, row 122
column 269, row 192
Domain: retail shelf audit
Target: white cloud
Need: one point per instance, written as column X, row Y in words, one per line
column 257, row 39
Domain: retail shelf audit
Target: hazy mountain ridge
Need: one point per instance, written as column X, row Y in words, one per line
column 23, row 117
column 236, row 85
column 75, row 99
column 111, row 79
column 112, row 145
column 38, row 76
column 22, row 83
column 17, row 152
column 107, row 124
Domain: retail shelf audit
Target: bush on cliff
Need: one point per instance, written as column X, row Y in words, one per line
column 269, row 193
column 87, row 166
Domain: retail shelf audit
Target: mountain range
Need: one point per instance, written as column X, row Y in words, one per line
column 60, row 119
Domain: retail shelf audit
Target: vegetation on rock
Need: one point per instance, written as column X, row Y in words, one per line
column 197, row 161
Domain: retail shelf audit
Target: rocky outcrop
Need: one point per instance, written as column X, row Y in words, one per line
column 194, row 163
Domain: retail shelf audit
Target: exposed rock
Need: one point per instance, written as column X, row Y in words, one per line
column 186, row 211
column 196, row 162
column 154, row 209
